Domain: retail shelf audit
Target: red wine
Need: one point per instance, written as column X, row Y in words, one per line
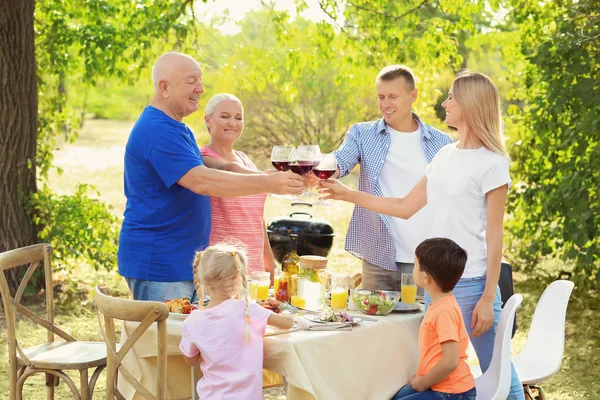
column 302, row 167
column 324, row 173
column 281, row 165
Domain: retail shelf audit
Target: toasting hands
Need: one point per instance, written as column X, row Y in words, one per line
column 285, row 183
column 334, row 189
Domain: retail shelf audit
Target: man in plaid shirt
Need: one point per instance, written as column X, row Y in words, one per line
column 393, row 153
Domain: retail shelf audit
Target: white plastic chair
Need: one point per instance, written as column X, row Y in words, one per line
column 542, row 354
column 494, row 384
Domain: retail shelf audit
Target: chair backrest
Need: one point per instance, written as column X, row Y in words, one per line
column 494, row 384
column 507, row 289
column 146, row 313
column 33, row 257
column 546, row 339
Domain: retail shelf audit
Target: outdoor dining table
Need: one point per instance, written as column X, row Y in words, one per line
column 372, row 361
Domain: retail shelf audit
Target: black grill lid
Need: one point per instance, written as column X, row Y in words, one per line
column 300, row 221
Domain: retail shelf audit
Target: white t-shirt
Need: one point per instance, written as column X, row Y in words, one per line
column 404, row 167
column 457, row 183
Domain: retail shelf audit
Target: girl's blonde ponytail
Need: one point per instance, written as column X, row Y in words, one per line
column 197, row 281
column 242, row 271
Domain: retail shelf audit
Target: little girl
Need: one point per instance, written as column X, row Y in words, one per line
column 227, row 334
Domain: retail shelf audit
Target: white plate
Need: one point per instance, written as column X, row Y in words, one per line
column 317, row 318
column 178, row 316
column 406, row 307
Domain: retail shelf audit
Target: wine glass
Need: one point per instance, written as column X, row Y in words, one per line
column 281, row 158
column 307, row 156
column 325, row 169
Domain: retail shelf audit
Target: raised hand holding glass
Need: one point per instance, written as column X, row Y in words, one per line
column 325, row 169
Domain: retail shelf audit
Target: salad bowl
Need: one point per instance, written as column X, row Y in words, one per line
column 375, row 302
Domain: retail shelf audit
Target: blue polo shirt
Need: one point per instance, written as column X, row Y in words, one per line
column 164, row 223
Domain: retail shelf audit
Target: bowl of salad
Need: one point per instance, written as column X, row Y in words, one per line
column 375, row 302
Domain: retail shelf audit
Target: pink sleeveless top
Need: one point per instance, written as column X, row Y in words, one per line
column 239, row 218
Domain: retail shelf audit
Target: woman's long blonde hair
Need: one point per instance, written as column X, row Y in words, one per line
column 216, row 268
column 479, row 101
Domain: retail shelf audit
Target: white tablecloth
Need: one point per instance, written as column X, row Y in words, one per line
column 370, row 362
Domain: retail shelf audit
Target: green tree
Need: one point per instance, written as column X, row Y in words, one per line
column 41, row 43
column 428, row 35
column 556, row 153
column 296, row 83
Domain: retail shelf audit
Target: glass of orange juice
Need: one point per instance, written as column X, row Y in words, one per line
column 263, row 281
column 299, row 301
column 253, row 289
column 339, row 292
column 278, row 275
column 408, row 289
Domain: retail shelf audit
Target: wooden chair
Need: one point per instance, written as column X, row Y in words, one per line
column 50, row 358
column 146, row 313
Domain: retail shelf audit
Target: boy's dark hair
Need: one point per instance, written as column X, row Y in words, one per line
column 392, row 72
column 443, row 259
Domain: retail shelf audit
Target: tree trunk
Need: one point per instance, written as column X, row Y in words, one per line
column 18, row 126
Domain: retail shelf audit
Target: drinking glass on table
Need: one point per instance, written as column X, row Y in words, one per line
column 263, row 281
column 339, row 292
column 276, row 279
column 253, row 289
column 408, row 289
column 281, row 158
column 307, row 156
column 325, row 169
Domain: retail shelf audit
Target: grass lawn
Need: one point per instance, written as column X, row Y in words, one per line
column 97, row 159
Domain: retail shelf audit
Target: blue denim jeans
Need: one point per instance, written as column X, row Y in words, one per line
column 161, row 291
column 408, row 393
column 468, row 291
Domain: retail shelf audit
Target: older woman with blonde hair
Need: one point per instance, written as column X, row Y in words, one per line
column 238, row 219
column 465, row 186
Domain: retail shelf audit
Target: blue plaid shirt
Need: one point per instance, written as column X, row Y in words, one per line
column 367, row 143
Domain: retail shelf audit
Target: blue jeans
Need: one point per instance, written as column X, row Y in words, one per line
column 408, row 393
column 161, row 291
column 468, row 291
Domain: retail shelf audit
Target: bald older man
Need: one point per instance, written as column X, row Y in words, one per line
column 168, row 214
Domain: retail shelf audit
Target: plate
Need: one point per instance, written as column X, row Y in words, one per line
column 317, row 318
column 406, row 307
column 178, row 316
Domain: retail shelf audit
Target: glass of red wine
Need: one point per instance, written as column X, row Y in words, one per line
column 325, row 169
column 281, row 158
column 307, row 156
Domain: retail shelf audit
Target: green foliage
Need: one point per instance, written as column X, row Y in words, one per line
column 296, row 83
column 79, row 228
column 110, row 98
column 556, row 151
column 86, row 40
column 428, row 36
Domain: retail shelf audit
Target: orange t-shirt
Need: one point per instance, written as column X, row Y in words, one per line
column 443, row 322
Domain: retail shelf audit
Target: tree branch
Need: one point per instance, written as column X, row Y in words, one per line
column 331, row 16
column 386, row 14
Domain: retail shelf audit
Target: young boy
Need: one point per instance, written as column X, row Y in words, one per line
column 443, row 372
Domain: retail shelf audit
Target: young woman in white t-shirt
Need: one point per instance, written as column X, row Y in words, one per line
column 465, row 187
